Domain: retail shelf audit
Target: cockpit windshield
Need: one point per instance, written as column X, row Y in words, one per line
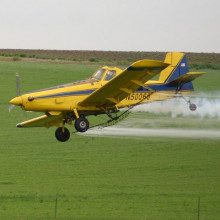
column 99, row 74
column 110, row 74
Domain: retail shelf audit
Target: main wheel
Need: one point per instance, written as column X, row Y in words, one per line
column 192, row 107
column 62, row 136
column 81, row 124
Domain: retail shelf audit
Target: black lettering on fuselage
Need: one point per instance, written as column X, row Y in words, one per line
column 139, row 96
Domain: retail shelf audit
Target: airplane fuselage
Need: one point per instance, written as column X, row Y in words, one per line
column 68, row 97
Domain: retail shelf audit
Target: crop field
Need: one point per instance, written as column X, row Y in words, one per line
column 99, row 176
column 105, row 57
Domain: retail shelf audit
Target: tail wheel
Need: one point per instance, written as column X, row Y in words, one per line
column 81, row 124
column 62, row 136
column 192, row 107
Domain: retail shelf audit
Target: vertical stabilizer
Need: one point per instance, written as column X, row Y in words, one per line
column 178, row 67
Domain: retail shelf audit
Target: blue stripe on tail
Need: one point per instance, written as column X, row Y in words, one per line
column 181, row 69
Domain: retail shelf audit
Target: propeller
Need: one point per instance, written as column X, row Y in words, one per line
column 18, row 92
column 18, row 84
column 11, row 107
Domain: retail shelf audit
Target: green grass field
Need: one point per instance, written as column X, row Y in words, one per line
column 102, row 177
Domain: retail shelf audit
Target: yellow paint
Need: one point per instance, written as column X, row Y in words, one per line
column 59, row 100
column 76, row 113
column 55, row 113
column 173, row 59
column 137, row 83
column 112, row 100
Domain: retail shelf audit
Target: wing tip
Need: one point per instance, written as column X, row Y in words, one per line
column 148, row 65
column 19, row 125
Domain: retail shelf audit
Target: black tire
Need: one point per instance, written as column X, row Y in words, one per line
column 62, row 136
column 192, row 107
column 81, row 124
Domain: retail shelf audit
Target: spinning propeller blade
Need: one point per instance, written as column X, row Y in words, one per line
column 17, row 84
column 11, row 107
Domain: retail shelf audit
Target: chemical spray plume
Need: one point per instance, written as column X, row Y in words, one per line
column 207, row 106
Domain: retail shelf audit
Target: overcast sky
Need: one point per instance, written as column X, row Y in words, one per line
column 112, row 25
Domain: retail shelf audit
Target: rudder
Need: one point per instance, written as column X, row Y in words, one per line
column 178, row 67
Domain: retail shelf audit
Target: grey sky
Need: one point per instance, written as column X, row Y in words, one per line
column 124, row 25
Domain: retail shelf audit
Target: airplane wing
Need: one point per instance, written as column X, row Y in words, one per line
column 127, row 82
column 42, row 121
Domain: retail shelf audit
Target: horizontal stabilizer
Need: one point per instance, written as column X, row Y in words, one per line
column 188, row 77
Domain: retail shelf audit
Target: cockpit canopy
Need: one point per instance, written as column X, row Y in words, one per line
column 105, row 73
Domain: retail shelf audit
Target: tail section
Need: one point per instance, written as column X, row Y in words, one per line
column 178, row 67
column 186, row 78
column 177, row 73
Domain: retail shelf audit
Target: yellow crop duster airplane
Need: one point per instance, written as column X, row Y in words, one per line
column 107, row 91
